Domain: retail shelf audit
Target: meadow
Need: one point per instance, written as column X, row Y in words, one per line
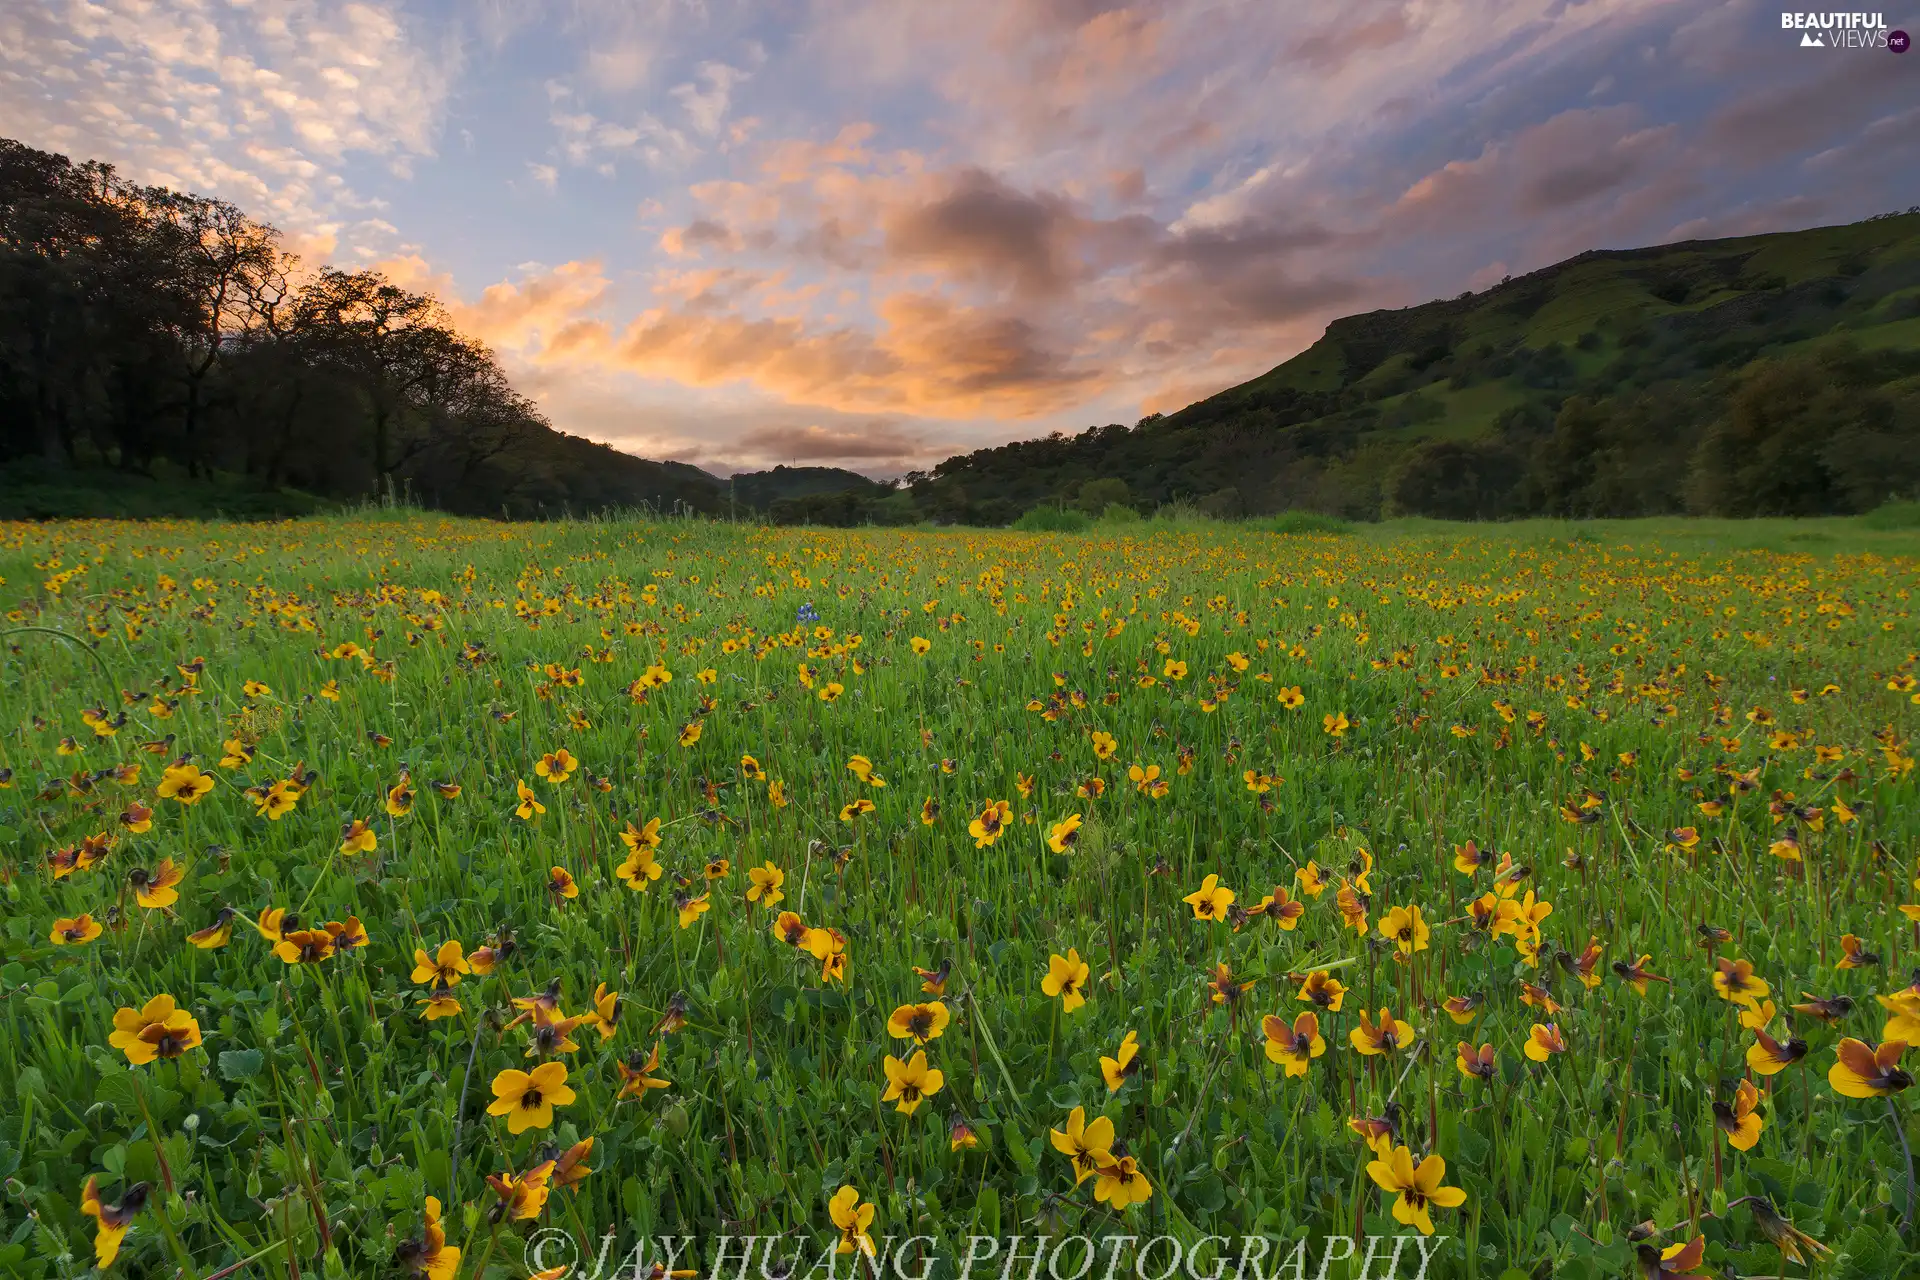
column 389, row 894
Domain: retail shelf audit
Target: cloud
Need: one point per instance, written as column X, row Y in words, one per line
column 264, row 105
column 879, row 445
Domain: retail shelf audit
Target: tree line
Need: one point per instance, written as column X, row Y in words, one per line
column 143, row 328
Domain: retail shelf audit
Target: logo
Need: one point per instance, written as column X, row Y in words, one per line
column 1844, row 31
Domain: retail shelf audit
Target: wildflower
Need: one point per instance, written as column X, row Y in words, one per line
column 1119, row 1183
column 1475, row 1064
column 911, row 1082
column 851, row 1219
column 1290, row 697
column 1854, row 954
column 1211, row 900
column 1637, row 975
column 1120, row 1068
column 1064, row 834
column 159, row 1029
column 962, row 1137
column 933, row 982
column 524, row 1198
column 357, row 837
column 1794, row 1244
column 1469, row 858
column 114, row 1220
column 690, row 908
column 1336, row 725
column 918, row 1022
column 1405, row 929
column 852, row 810
column 1544, row 1040
column 1323, row 991
column 1293, row 1047
column 765, row 887
column 1904, row 1005
column 1310, row 880
column 304, row 946
column 1734, row 981
column 1863, row 1071
column 556, row 766
column 217, row 933
column 1147, row 781
column 428, row 1255
column 136, row 818
column 1385, row 1036
column 185, row 783
column 527, row 1098
column 1417, row 1188
column 636, row 1074
column 1104, row 745
column 529, row 803
column 929, row 811
column 1675, row 1260
column 570, row 1170
column 155, row 889
column 1462, row 1009
column 1767, row 1056
column 1738, row 1120
column 560, row 883
column 862, row 768
column 440, row 1003
column 986, row 828
column 639, row 869
column 1280, row 907
column 69, row 931
column 1067, row 979
column 1088, row 1145
column 443, row 968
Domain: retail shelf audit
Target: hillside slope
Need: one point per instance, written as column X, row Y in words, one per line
column 1610, row 383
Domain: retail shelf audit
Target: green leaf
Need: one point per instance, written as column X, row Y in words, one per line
column 241, row 1064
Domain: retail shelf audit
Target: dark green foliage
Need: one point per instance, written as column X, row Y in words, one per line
column 1711, row 376
column 161, row 354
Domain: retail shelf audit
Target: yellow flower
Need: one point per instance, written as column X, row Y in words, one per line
column 159, row 1029
column 765, row 884
column 1405, row 929
column 1088, row 1145
column 852, row 1219
column 443, row 968
column 918, row 1022
column 910, row 1083
column 527, row 1098
column 74, row 930
column 1067, row 979
column 529, row 803
column 1336, row 725
column 1417, row 1187
column 993, row 819
column 357, row 837
column 1211, row 900
column 1064, row 834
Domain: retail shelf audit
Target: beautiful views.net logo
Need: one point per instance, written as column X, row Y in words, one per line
column 1844, row 31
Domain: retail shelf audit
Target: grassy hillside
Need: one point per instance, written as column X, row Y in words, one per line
column 1608, row 384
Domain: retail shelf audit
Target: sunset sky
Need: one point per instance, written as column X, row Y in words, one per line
column 871, row 234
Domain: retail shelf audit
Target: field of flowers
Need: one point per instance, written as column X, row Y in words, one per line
column 384, row 894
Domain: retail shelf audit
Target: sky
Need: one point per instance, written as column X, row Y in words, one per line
column 874, row 233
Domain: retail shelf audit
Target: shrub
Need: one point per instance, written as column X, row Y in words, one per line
column 1053, row 520
column 1893, row 515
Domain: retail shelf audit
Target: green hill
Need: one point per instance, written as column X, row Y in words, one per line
column 1618, row 382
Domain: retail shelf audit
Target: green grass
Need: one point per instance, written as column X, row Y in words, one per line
column 1494, row 679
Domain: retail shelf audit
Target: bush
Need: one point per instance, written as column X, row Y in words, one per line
column 1893, row 515
column 1119, row 513
column 1097, row 495
column 1053, row 520
column 1309, row 522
